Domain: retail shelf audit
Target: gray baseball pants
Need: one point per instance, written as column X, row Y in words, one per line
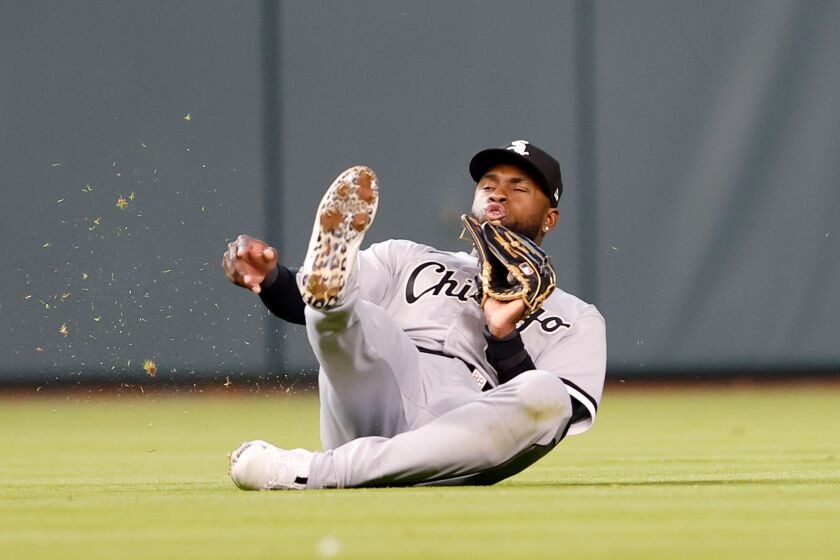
column 393, row 416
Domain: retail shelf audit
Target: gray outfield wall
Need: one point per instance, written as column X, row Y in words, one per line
column 698, row 142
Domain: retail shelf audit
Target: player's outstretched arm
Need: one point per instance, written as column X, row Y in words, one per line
column 250, row 262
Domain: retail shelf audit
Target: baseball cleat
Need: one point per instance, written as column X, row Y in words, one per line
column 258, row 465
column 344, row 215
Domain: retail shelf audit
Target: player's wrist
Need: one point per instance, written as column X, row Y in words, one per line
column 270, row 278
column 501, row 331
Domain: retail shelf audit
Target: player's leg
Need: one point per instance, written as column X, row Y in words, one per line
column 258, row 465
column 369, row 368
column 481, row 442
column 368, row 365
column 369, row 380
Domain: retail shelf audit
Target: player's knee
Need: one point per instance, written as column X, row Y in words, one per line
column 544, row 399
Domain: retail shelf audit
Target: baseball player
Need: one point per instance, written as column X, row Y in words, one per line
column 421, row 382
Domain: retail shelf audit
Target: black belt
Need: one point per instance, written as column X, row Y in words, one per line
column 477, row 373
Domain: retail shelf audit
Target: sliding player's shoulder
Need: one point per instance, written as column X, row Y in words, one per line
column 401, row 249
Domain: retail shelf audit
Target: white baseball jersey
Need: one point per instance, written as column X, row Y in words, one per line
column 430, row 295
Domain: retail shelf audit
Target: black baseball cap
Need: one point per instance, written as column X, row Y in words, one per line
column 522, row 153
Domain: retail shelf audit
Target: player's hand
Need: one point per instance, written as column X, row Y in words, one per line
column 248, row 262
column 502, row 316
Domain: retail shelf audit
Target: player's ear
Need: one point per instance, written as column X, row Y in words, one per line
column 551, row 219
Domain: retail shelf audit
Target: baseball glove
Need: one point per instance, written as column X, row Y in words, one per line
column 512, row 266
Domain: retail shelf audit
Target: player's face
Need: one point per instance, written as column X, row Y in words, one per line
column 509, row 195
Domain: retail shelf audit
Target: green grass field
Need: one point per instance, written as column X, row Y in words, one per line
column 666, row 473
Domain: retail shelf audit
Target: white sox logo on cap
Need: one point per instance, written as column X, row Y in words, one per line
column 520, row 147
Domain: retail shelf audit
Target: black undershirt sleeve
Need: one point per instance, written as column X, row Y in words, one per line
column 282, row 297
column 507, row 355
